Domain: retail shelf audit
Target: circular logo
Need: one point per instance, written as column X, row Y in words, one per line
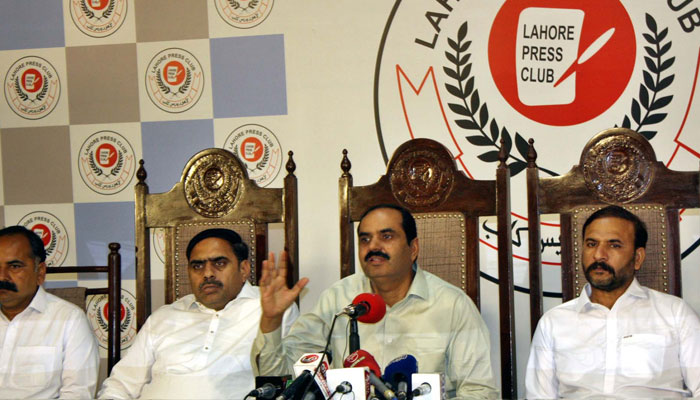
column 557, row 71
column 421, row 178
column 158, row 241
column 106, row 162
column 32, row 87
column 259, row 150
column 213, row 185
column 309, row 358
column 98, row 315
column 243, row 13
column 174, row 80
column 52, row 232
column 98, row 18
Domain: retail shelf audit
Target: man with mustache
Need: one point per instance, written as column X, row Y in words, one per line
column 198, row 346
column 426, row 316
column 47, row 349
column 618, row 338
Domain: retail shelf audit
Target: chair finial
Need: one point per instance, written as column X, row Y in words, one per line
column 531, row 154
column 345, row 164
column 503, row 154
column 141, row 173
column 291, row 166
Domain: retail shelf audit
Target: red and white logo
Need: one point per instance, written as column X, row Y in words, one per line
column 32, row 87
column 106, row 162
column 98, row 18
column 52, row 232
column 309, row 358
column 174, row 80
column 558, row 71
column 243, row 13
column 258, row 149
column 98, row 315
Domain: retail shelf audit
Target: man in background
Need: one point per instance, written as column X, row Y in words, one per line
column 47, row 349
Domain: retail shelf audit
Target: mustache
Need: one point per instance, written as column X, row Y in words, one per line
column 211, row 281
column 376, row 254
column 602, row 265
column 7, row 285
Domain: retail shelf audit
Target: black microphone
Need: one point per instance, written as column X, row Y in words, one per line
column 398, row 372
column 296, row 386
column 266, row 391
column 421, row 390
column 343, row 387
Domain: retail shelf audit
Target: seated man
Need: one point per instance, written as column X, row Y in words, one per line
column 198, row 346
column 426, row 316
column 618, row 338
column 47, row 349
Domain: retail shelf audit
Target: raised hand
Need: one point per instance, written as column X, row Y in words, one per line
column 275, row 297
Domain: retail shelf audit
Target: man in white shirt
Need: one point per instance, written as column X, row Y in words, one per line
column 618, row 338
column 47, row 349
column 426, row 317
column 198, row 346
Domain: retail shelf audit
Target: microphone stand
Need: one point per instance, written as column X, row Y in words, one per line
column 354, row 336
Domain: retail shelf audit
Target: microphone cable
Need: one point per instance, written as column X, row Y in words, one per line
column 320, row 363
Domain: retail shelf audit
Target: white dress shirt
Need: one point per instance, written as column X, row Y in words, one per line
column 436, row 322
column 186, row 350
column 646, row 346
column 48, row 351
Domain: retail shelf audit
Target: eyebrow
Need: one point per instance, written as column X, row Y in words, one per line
column 212, row 259
column 385, row 230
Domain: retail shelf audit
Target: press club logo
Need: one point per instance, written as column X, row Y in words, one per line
column 243, row 13
column 174, row 80
column 98, row 315
column 32, row 87
column 106, row 162
column 258, row 149
column 98, row 18
column 470, row 73
column 52, row 233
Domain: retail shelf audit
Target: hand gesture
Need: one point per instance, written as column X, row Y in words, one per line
column 275, row 297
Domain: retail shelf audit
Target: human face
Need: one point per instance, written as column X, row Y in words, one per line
column 19, row 274
column 383, row 250
column 215, row 274
column 609, row 257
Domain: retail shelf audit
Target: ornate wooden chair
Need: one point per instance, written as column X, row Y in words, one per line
column 422, row 176
column 214, row 191
column 77, row 295
column 617, row 166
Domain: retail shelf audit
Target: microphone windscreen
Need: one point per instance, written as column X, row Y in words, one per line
column 376, row 305
column 361, row 358
column 400, row 369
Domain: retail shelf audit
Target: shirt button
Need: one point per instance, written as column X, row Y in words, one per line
column 206, row 348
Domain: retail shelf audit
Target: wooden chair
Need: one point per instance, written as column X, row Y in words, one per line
column 214, row 191
column 422, row 176
column 77, row 295
column 617, row 166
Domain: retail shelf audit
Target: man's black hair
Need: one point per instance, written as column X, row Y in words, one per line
column 407, row 221
column 35, row 242
column 640, row 230
column 239, row 248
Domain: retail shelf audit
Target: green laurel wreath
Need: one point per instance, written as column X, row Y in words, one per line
column 476, row 112
column 652, row 84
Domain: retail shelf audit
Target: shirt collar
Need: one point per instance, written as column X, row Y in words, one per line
column 247, row 292
column 634, row 290
column 419, row 286
column 39, row 301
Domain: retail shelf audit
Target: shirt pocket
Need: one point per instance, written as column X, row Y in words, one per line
column 35, row 365
column 642, row 355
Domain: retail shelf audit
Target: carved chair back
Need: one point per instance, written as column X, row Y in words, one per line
column 422, row 176
column 617, row 166
column 214, row 191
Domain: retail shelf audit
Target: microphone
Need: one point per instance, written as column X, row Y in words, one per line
column 317, row 387
column 361, row 358
column 266, row 391
column 344, row 387
column 421, row 390
column 398, row 373
column 366, row 307
column 296, row 386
